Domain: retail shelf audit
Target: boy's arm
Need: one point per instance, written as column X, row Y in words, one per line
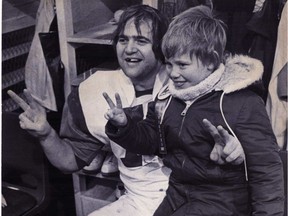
column 265, row 170
column 227, row 148
column 137, row 137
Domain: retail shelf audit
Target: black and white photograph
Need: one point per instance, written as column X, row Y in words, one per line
column 144, row 107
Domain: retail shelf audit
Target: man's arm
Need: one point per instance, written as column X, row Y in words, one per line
column 58, row 151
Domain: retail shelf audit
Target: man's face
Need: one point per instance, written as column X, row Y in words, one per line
column 134, row 52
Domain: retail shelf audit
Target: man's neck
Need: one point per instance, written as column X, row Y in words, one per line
column 145, row 84
column 149, row 82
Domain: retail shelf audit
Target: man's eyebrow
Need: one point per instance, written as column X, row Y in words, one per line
column 138, row 37
column 122, row 36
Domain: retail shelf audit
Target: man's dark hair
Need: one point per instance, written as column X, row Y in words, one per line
column 145, row 13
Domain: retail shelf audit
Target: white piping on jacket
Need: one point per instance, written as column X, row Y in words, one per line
column 232, row 132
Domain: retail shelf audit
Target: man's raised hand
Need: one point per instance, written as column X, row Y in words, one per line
column 115, row 114
column 33, row 119
column 227, row 148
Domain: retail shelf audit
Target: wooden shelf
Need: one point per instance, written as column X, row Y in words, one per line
column 100, row 176
column 13, row 78
column 102, row 34
column 15, row 51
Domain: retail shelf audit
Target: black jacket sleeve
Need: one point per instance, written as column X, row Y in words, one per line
column 265, row 171
column 140, row 137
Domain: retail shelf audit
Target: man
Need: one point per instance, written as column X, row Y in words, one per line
column 142, row 74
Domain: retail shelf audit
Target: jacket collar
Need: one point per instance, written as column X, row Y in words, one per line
column 238, row 73
column 193, row 92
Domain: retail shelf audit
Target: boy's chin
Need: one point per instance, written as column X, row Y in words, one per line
column 174, row 87
column 178, row 86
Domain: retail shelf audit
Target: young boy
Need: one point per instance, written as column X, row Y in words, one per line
column 201, row 87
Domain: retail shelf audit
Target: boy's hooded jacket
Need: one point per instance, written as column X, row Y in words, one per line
column 212, row 189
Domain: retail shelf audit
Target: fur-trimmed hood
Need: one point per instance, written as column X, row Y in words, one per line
column 239, row 72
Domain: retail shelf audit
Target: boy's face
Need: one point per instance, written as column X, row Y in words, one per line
column 134, row 52
column 185, row 71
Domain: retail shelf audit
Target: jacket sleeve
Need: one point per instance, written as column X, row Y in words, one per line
column 264, row 166
column 74, row 131
column 138, row 137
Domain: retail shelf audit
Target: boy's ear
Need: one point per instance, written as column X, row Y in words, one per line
column 210, row 67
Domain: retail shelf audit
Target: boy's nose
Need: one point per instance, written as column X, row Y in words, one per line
column 174, row 72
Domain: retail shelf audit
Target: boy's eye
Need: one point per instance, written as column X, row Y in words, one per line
column 182, row 66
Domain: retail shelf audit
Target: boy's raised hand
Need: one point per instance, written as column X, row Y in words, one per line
column 115, row 114
column 33, row 119
column 227, row 148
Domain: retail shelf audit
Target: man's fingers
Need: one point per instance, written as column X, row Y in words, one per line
column 213, row 131
column 30, row 99
column 118, row 101
column 18, row 100
column 26, row 123
column 108, row 100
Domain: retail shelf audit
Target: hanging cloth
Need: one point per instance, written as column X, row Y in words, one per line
column 263, row 29
column 37, row 78
column 277, row 104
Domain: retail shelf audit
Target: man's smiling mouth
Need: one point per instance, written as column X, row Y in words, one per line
column 132, row 60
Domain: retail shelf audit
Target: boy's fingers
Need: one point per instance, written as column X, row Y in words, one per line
column 18, row 100
column 231, row 157
column 235, row 158
column 213, row 131
column 108, row 100
column 223, row 133
column 110, row 114
column 238, row 161
column 231, row 143
column 230, row 147
column 215, row 155
column 236, row 154
column 118, row 101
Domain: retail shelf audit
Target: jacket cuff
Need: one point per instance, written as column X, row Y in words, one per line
column 113, row 131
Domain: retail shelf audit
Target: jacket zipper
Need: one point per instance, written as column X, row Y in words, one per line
column 163, row 149
column 183, row 114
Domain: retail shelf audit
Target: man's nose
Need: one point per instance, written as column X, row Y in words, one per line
column 131, row 47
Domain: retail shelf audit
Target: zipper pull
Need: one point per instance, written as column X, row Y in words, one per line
column 188, row 104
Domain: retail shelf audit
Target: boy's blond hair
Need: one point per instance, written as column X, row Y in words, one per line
column 197, row 32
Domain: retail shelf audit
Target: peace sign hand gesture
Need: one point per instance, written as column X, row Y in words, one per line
column 115, row 114
column 227, row 148
column 33, row 119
